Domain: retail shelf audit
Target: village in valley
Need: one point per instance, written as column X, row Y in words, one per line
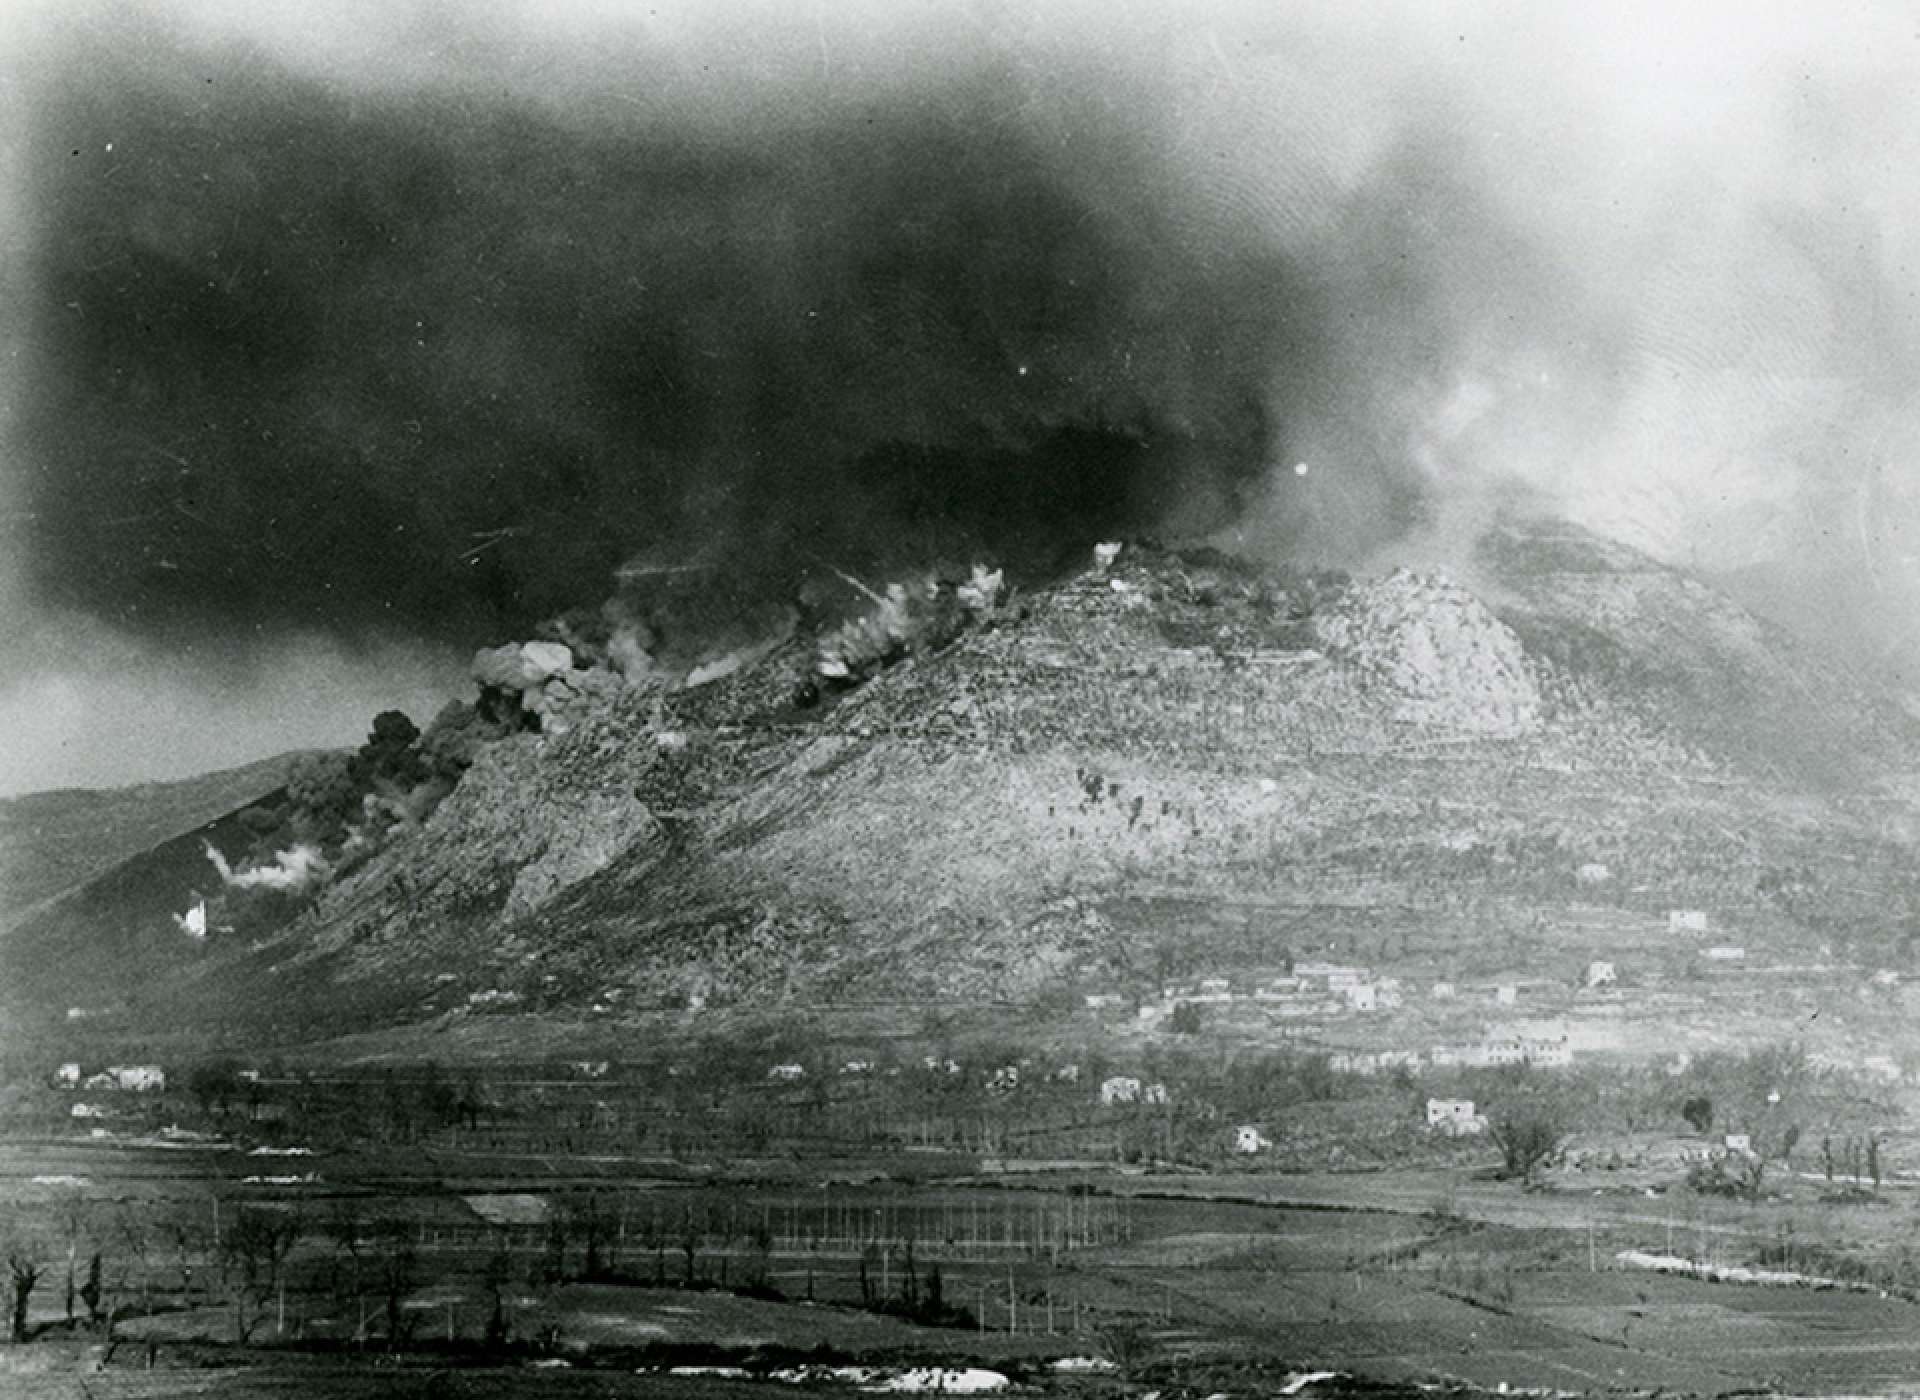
column 1025, row 1169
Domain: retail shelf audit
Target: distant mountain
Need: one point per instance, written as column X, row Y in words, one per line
column 1178, row 761
column 55, row 841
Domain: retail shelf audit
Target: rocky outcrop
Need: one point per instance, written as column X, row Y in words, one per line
column 1442, row 659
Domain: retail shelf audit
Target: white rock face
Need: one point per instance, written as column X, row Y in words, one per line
column 1447, row 661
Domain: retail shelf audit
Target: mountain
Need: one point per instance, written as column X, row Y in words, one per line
column 1173, row 763
column 55, row 841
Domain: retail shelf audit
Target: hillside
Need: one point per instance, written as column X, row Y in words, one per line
column 1176, row 763
column 54, row 841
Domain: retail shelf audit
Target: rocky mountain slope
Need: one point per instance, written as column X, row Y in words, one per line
column 1164, row 760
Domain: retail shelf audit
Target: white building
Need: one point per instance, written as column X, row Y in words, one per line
column 1601, row 974
column 1454, row 1117
column 1726, row 952
column 1593, row 873
column 138, row 1079
column 67, row 1076
column 1740, row 1144
column 1686, row 921
column 1443, row 991
column 1506, row 994
column 1363, row 996
column 1122, row 1088
column 1249, row 1139
column 787, row 1073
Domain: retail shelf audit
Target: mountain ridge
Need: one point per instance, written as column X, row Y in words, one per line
column 1012, row 815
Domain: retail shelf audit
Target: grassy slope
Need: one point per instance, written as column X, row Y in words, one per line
column 56, row 841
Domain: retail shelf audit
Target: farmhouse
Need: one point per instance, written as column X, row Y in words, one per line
column 1739, row 1144
column 1601, row 974
column 67, row 1076
column 1544, row 1046
column 1454, row 1117
column 1120, row 1089
column 1249, row 1139
column 137, row 1079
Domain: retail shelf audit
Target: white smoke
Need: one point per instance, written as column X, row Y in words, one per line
column 193, row 923
column 297, row 868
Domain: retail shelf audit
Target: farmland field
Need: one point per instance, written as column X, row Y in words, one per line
column 602, row 1279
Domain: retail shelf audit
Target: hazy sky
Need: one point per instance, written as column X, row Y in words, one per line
column 353, row 336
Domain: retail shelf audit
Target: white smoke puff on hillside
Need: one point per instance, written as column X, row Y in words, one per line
column 297, row 868
column 193, row 923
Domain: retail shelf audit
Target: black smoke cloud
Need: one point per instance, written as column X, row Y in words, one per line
column 442, row 360
column 415, row 322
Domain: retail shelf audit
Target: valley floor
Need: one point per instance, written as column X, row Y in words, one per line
column 1193, row 1284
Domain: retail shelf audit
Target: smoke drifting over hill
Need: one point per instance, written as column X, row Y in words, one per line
column 419, row 321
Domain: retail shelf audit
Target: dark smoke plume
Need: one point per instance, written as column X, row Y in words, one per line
column 408, row 324
column 443, row 361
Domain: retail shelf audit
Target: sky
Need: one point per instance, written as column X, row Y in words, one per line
column 347, row 339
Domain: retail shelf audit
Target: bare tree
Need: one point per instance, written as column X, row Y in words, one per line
column 255, row 1248
column 396, row 1263
column 23, row 1272
column 135, row 1240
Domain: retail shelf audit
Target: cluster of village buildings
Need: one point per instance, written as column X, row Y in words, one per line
column 134, row 1079
column 114, row 1079
column 1320, row 989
